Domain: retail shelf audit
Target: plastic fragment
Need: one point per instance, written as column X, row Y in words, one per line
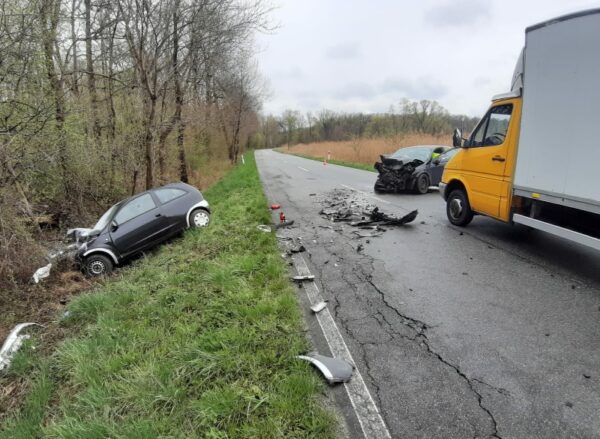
column 12, row 343
column 318, row 307
column 284, row 224
column 275, row 206
column 333, row 369
column 303, row 278
column 264, row 228
column 42, row 273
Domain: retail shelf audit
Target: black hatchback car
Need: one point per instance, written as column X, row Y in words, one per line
column 139, row 223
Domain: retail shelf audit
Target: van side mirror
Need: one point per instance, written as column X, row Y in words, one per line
column 456, row 138
column 113, row 226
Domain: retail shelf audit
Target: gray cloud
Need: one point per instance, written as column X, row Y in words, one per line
column 416, row 89
column 459, row 13
column 346, row 50
column 291, row 73
column 354, row 90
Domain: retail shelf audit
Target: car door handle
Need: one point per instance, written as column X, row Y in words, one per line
column 497, row 158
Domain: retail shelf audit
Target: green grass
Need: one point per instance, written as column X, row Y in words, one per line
column 355, row 165
column 196, row 341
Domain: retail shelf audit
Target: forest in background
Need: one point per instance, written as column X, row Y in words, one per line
column 409, row 118
column 103, row 98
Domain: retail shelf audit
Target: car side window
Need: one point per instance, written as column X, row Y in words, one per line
column 167, row 194
column 445, row 157
column 492, row 130
column 137, row 206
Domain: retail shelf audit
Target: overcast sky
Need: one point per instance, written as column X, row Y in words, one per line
column 351, row 55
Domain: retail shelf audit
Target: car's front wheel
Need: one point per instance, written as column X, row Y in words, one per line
column 199, row 218
column 458, row 208
column 98, row 265
column 422, row 184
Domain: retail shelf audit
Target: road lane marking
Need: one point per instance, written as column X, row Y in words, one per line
column 367, row 413
column 304, row 169
column 367, row 194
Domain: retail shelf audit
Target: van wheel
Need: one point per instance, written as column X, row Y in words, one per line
column 458, row 209
column 98, row 265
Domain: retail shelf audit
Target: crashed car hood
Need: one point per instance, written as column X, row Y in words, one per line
column 396, row 163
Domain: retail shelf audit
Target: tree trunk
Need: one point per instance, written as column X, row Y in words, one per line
column 50, row 14
column 150, row 104
column 95, row 122
column 75, row 79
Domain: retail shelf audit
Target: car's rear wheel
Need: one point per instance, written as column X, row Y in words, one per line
column 458, row 208
column 422, row 184
column 199, row 218
column 98, row 265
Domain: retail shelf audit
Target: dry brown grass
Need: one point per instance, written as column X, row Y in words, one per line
column 208, row 174
column 366, row 150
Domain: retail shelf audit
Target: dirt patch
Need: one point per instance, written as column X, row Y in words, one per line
column 39, row 303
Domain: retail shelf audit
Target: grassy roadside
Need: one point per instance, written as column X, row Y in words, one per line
column 197, row 341
column 362, row 166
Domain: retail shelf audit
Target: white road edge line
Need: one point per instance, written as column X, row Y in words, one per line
column 365, row 193
column 367, row 413
column 304, row 169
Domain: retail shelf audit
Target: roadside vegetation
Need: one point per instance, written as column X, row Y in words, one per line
column 101, row 100
column 198, row 340
column 363, row 153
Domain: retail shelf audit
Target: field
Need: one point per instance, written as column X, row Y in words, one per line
column 365, row 151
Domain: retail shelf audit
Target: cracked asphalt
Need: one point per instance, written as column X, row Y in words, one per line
column 491, row 331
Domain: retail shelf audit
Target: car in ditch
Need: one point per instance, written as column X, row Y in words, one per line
column 138, row 224
column 412, row 169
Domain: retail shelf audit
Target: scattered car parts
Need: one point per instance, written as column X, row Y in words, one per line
column 317, row 308
column 42, row 273
column 303, row 278
column 13, row 343
column 333, row 369
column 342, row 207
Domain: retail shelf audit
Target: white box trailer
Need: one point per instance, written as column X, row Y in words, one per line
column 558, row 155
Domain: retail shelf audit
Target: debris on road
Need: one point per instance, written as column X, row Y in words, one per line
column 333, row 369
column 342, row 207
column 13, row 343
column 303, row 278
column 41, row 273
column 319, row 307
column 298, row 249
column 281, row 217
column 284, row 224
column 264, row 228
column 394, row 174
column 275, row 206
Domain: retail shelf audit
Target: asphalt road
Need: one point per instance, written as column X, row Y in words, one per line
column 487, row 331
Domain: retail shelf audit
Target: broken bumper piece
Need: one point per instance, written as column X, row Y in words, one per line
column 12, row 344
column 333, row 369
